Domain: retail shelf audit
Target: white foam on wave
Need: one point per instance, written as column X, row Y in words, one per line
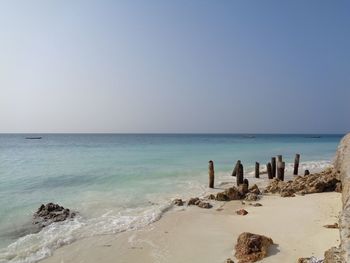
column 34, row 247
column 313, row 166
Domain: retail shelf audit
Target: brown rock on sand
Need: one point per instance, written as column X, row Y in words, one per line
column 251, row 247
column 242, row 212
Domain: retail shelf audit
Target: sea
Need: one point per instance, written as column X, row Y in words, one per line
column 123, row 182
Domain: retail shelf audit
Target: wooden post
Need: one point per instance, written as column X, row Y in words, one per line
column 273, row 164
column 269, row 171
column 234, row 172
column 245, row 181
column 280, row 170
column 307, row 172
column 211, row 174
column 239, row 174
column 279, row 158
column 296, row 164
column 257, row 172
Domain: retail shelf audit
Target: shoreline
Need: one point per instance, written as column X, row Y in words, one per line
column 182, row 232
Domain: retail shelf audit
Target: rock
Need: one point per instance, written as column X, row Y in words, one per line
column 229, row 261
column 335, row 225
column 178, row 202
column 333, row 255
column 310, row 260
column 325, row 181
column 242, row 212
column 251, row 197
column 204, row 205
column 222, row 197
column 211, row 197
column 242, row 190
column 255, row 204
column 50, row 213
column 254, row 189
column 252, row 247
column 287, row 193
column 338, row 187
column 193, row 201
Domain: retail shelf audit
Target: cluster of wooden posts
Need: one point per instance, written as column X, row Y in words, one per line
column 275, row 168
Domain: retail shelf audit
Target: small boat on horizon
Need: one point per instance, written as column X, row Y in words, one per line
column 33, row 138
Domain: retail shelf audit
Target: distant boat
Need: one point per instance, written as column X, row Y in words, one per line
column 314, row 137
column 33, row 138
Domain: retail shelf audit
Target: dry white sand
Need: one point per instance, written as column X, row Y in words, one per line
column 198, row 235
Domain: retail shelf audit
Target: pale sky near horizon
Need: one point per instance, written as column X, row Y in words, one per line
column 175, row 66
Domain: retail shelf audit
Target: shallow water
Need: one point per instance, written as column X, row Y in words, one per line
column 119, row 182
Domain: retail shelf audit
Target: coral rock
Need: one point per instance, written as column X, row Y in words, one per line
column 252, row 247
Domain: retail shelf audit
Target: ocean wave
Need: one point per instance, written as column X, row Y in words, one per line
column 34, row 247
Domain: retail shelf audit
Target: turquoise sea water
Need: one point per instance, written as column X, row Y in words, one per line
column 119, row 182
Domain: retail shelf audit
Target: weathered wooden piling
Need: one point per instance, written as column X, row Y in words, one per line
column 280, row 170
column 257, row 171
column 279, row 158
column 273, row 164
column 211, row 174
column 234, row 172
column 246, row 182
column 306, row 172
column 239, row 174
column 296, row 164
column 269, row 171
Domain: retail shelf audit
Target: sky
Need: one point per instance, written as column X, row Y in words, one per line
column 175, row 66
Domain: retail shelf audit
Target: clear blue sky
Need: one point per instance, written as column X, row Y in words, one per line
column 175, row 66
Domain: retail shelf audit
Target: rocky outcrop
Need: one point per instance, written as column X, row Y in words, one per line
column 239, row 193
column 242, row 212
column 196, row 201
column 325, row 181
column 252, row 247
column 342, row 171
column 50, row 213
column 178, row 202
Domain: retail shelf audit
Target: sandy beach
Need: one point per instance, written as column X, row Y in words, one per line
column 192, row 234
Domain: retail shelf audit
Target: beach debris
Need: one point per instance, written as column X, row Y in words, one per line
column 310, row 260
column 335, row 225
column 242, row 212
column 306, row 172
column 229, row 261
column 178, row 202
column 50, row 213
column 211, row 174
column 255, row 204
column 325, row 181
column 252, row 247
column 251, row 197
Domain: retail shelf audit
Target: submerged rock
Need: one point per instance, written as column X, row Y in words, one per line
column 193, row 201
column 204, row 205
column 252, row 247
column 178, row 202
column 50, row 213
